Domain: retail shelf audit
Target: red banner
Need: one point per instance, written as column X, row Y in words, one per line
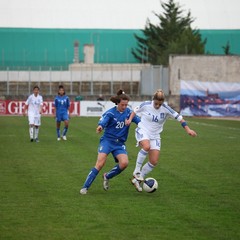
column 11, row 107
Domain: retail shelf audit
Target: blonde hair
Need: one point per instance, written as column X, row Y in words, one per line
column 159, row 95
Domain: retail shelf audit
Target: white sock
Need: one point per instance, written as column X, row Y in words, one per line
column 142, row 154
column 31, row 132
column 36, row 132
column 147, row 168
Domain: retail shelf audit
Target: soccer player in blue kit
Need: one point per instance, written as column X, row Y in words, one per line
column 112, row 141
column 61, row 112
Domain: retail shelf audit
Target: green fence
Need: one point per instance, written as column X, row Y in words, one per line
column 39, row 49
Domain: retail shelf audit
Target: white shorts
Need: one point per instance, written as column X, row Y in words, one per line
column 155, row 143
column 33, row 120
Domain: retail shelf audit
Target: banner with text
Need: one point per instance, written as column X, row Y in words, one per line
column 11, row 107
column 97, row 108
column 80, row 108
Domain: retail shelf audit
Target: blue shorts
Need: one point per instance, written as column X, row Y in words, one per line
column 110, row 146
column 62, row 117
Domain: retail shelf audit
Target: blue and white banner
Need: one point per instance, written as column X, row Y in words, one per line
column 213, row 99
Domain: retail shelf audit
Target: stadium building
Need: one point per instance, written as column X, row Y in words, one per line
column 97, row 61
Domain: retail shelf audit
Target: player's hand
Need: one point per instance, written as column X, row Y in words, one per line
column 192, row 133
column 25, row 113
column 127, row 122
column 99, row 129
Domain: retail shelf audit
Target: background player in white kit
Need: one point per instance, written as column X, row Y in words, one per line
column 153, row 116
column 33, row 107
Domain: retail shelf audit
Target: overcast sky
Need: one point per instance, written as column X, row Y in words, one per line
column 113, row 14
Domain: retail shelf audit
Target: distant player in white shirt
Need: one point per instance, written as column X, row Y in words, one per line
column 33, row 107
column 153, row 116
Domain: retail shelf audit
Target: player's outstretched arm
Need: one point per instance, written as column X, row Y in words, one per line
column 188, row 129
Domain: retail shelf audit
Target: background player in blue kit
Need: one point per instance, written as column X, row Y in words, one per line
column 112, row 141
column 61, row 112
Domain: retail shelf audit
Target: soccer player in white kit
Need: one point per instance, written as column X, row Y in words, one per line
column 153, row 116
column 33, row 107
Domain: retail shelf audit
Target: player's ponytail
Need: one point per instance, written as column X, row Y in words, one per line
column 120, row 96
column 120, row 92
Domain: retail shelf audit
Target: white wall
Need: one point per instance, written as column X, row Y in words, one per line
column 80, row 72
column 202, row 68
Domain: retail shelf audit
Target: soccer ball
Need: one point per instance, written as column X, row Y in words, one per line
column 150, row 185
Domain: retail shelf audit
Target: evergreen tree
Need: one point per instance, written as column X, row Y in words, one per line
column 226, row 49
column 173, row 35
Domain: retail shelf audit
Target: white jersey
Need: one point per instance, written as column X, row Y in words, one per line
column 34, row 104
column 152, row 120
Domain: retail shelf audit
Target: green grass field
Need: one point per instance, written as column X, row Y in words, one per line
column 198, row 195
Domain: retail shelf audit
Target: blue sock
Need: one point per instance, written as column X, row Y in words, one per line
column 90, row 178
column 58, row 132
column 65, row 131
column 114, row 172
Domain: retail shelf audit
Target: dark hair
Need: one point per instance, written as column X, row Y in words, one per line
column 120, row 96
column 36, row 86
column 61, row 87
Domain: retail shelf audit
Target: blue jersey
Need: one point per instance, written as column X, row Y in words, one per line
column 114, row 126
column 61, row 104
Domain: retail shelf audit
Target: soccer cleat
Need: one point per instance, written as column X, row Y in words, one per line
column 83, row 191
column 105, row 182
column 136, row 183
column 138, row 176
column 36, row 140
column 58, row 139
column 31, row 140
column 64, row 138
